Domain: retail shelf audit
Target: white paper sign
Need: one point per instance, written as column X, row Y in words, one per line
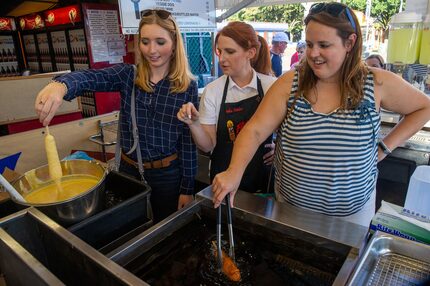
column 107, row 43
column 191, row 15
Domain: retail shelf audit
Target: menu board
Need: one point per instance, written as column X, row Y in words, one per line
column 191, row 16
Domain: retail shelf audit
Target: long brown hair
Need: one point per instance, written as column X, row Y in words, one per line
column 353, row 71
column 245, row 36
column 179, row 71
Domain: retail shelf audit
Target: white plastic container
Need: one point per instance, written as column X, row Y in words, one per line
column 418, row 196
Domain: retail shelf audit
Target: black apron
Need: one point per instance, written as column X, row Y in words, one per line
column 232, row 118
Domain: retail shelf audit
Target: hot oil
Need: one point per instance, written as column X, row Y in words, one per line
column 61, row 190
column 187, row 258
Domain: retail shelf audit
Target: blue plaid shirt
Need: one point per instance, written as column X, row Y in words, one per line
column 160, row 132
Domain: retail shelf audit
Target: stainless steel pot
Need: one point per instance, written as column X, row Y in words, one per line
column 72, row 210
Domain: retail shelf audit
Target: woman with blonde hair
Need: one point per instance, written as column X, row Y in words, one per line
column 155, row 145
column 328, row 118
column 228, row 102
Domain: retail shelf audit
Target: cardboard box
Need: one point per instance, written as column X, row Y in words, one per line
column 393, row 219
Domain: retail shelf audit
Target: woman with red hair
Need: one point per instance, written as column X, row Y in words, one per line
column 230, row 101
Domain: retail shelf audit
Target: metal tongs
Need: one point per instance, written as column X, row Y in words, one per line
column 230, row 232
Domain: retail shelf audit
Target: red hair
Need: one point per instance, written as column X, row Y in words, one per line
column 245, row 36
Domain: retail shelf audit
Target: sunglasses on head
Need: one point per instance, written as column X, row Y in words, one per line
column 334, row 9
column 163, row 14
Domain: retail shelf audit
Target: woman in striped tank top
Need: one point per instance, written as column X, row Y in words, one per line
column 327, row 116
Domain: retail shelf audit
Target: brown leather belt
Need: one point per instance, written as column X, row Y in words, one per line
column 162, row 163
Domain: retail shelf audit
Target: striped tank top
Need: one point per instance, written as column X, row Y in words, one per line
column 328, row 162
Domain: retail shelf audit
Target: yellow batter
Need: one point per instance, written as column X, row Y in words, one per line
column 70, row 186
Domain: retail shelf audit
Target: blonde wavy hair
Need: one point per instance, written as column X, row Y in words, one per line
column 179, row 71
column 353, row 71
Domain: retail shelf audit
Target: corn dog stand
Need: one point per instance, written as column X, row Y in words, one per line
column 276, row 243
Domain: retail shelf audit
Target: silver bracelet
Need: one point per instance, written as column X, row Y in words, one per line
column 66, row 89
column 384, row 147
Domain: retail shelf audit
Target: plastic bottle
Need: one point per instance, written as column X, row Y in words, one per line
column 404, row 38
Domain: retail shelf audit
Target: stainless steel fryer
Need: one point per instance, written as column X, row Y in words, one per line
column 34, row 250
column 320, row 246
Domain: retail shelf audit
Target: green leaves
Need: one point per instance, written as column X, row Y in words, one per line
column 382, row 10
column 293, row 14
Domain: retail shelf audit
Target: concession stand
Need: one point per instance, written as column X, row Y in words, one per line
column 111, row 239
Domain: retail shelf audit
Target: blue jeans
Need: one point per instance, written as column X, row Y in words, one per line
column 164, row 183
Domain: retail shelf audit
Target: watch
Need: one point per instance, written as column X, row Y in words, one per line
column 384, row 147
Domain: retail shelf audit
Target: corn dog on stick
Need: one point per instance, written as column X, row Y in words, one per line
column 54, row 165
column 229, row 268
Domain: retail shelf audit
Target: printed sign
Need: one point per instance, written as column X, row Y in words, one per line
column 191, row 16
column 107, row 44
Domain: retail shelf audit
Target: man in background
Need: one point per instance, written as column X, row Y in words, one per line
column 279, row 44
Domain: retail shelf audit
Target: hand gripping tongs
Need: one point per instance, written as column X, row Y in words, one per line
column 230, row 232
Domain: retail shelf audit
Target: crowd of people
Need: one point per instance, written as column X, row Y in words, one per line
column 324, row 113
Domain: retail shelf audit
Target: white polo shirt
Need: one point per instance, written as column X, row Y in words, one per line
column 210, row 101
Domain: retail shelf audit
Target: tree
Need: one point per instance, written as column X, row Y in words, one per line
column 293, row 14
column 381, row 11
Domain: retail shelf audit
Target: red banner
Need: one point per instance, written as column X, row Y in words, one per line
column 61, row 16
column 31, row 22
column 7, row 24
